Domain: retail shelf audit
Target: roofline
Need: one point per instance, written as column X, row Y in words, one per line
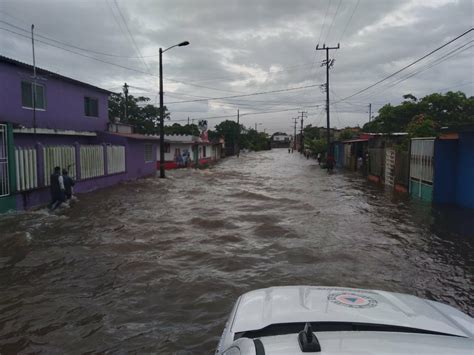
column 17, row 63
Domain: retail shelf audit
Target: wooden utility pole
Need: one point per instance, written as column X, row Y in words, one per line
column 328, row 64
column 294, row 134
column 370, row 112
column 303, row 115
column 238, row 133
column 125, row 92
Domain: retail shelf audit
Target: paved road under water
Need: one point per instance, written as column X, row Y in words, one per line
column 155, row 266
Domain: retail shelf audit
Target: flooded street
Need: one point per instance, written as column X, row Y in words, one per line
column 155, row 266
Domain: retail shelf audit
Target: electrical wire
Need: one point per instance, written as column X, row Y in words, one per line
column 324, row 21
column 348, row 22
column 134, row 43
column 246, row 95
column 333, row 19
column 427, row 66
column 409, row 65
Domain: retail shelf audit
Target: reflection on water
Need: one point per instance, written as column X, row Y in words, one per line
column 155, row 266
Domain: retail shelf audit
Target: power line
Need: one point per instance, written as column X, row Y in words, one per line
column 433, row 63
column 324, row 21
column 246, row 95
column 72, row 45
column 333, row 19
column 111, row 63
column 348, row 22
column 408, row 66
column 245, row 114
column 140, row 55
column 80, row 54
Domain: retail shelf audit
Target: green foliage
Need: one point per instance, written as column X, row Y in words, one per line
column 317, row 146
column 346, row 134
column 421, row 126
column 249, row 138
column 143, row 115
column 227, row 129
column 253, row 140
column 442, row 109
column 311, row 133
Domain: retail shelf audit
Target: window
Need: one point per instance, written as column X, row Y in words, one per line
column 27, row 95
column 167, row 147
column 148, row 152
column 204, row 151
column 91, row 107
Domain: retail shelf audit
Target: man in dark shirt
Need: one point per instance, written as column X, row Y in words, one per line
column 68, row 184
column 57, row 188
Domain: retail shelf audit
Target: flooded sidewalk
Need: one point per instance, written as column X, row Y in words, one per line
column 156, row 265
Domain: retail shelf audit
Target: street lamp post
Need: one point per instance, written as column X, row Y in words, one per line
column 162, row 111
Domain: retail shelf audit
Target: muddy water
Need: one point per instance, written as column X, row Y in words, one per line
column 155, row 266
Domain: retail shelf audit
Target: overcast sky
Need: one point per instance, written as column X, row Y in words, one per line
column 245, row 47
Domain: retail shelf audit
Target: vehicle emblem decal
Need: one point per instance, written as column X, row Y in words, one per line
column 352, row 300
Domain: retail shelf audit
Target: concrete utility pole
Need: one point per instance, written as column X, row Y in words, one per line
column 328, row 64
column 125, row 92
column 34, row 79
column 370, row 112
column 238, row 133
column 303, row 115
column 162, row 110
column 294, row 134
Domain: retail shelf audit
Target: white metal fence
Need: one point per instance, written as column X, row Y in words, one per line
column 4, row 172
column 389, row 166
column 421, row 160
column 26, row 168
column 115, row 159
column 92, row 161
column 63, row 156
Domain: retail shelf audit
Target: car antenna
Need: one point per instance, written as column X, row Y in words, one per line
column 308, row 341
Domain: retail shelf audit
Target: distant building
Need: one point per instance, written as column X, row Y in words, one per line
column 280, row 140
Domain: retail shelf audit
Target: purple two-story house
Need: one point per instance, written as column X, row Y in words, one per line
column 51, row 120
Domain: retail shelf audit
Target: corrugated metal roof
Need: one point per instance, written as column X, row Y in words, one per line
column 136, row 136
column 356, row 140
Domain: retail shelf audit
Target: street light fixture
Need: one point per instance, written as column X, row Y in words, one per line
column 162, row 111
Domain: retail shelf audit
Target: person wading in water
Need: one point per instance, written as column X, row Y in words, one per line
column 57, row 188
column 68, row 184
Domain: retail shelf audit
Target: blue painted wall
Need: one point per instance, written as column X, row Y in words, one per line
column 339, row 154
column 465, row 176
column 454, row 171
column 445, row 171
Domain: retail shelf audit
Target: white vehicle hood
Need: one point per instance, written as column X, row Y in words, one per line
column 291, row 304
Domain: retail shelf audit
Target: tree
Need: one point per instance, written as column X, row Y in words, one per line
column 346, row 134
column 442, row 109
column 311, row 132
column 421, row 126
column 317, row 146
column 144, row 116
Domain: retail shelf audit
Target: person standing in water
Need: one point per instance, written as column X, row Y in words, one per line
column 68, row 184
column 57, row 188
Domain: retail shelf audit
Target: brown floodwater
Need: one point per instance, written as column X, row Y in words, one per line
column 155, row 266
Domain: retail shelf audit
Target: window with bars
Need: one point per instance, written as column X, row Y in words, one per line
column 148, row 152
column 91, row 107
column 28, row 89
